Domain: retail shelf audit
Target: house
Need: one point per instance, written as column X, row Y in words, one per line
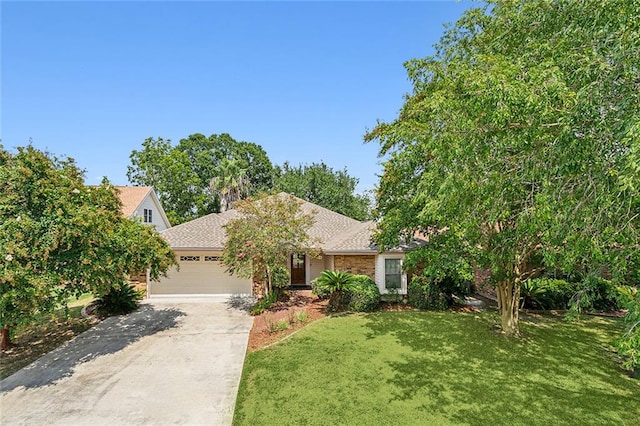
column 345, row 245
column 143, row 203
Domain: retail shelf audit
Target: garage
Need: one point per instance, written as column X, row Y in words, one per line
column 201, row 273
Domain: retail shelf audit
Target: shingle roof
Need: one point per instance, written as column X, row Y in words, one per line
column 337, row 233
column 131, row 197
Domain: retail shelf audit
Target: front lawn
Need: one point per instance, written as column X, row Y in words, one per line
column 426, row 368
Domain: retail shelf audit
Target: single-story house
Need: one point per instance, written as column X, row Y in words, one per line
column 142, row 202
column 344, row 244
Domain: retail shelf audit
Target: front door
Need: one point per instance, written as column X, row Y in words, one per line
column 298, row 275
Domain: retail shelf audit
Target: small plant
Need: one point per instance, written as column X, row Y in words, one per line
column 282, row 325
column 337, row 283
column 302, row 316
column 121, row 299
column 291, row 316
column 264, row 303
column 270, row 323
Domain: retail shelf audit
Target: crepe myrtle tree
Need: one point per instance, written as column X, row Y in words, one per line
column 60, row 238
column 522, row 137
column 268, row 231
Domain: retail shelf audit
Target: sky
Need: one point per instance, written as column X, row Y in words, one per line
column 304, row 80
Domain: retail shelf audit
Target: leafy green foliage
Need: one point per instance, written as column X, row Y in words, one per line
column 436, row 294
column 629, row 344
column 120, row 299
column 547, row 293
column 338, row 284
column 182, row 175
column 324, row 186
column 280, row 276
column 594, row 293
column 364, row 296
column 268, row 231
column 264, row 303
column 521, row 137
column 60, row 238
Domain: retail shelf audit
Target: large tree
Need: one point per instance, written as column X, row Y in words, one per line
column 522, row 135
column 60, row 238
column 182, row 174
column 324, row 186
column 268, row 231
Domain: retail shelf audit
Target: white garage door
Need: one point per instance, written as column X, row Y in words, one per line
column 200, row 273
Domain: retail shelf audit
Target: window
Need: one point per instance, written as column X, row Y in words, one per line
column 148, row 218
column 392, row 273
column 189, row 258
column 212, row 258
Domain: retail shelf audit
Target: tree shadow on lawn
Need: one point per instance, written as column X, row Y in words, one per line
column 455, row 365
column 108, row 337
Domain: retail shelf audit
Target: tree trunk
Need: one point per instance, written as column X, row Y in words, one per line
column 5, row 340
column 508, row 300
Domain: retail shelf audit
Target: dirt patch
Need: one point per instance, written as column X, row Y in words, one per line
column 284, row 318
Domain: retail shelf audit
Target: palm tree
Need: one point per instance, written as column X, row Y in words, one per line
column 231, row 183
column 336, row 283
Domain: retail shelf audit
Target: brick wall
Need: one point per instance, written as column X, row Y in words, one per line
column 360, row 265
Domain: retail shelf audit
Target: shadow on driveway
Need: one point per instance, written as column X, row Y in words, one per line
column 110, row 336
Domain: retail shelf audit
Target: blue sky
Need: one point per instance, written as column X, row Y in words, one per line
column 305, row 80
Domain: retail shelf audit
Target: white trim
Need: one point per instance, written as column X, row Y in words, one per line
column 380, row 272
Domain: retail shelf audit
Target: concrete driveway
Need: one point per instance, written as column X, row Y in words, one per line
column 171, row 362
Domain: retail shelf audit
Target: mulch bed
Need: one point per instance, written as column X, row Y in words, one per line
column 262, row 333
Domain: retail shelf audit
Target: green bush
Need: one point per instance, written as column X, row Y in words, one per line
column 319, row 290
column 280, row 277
column 547, row 293
column 338, row 284
column 120, row 299
column 264, row 303
column 628, row 344
column 595, row 294
column 427, row 293
column 364, row 296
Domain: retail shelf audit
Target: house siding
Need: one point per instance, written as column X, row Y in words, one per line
column 156, row 218
column 356, row 264
column 316, row 266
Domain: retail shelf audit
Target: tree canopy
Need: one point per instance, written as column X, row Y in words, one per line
column 202, row 175
column 521, row 135
column 269, row 230
column 324, row 186
column 59, row 237
column 181, row 175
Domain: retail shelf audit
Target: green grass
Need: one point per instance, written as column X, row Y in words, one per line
column 44, row 334
column 426, row 368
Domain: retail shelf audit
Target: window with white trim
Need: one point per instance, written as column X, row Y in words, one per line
column 148, row 216
column 392, row 273
column 212, row 258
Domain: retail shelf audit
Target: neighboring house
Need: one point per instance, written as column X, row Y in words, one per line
column 345, row 245
column 142, row 202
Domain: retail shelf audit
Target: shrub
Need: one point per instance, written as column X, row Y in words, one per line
column 364, row 296
column 264, row 303
column 302, row 316
column 547, row 293
column 280, row 276
column 628, row 345
column 427, row 293
column 282, row 325
column 319, row 290
column 120, row 299
column 594, row 293
column 338, row 284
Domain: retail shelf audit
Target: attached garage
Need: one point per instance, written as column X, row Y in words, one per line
column 201, row 273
